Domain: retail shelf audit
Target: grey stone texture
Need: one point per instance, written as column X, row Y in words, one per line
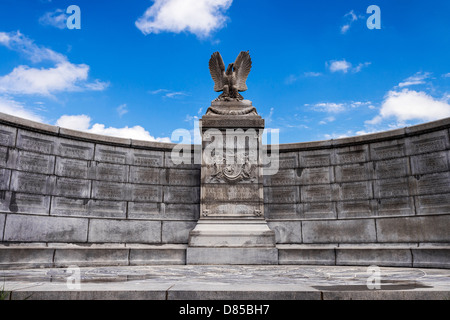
column 64, row 186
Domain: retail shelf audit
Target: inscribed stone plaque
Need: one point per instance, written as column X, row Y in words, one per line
column 430, row 142
column 316, row 193
column 32, row 141
column 356, row 190
column 109, row 190
column 73, row 187
column 29, row 203
column 112, row 154
column 146, row 175
column 230, row 209
column 146, row 158
column 111, row 172
column 388, row 188
column 315, row 158
column 433, row 204
column 354, row 172
column 387, row 150
column 144, row 210
column 358, row 208
column 231, row 193
column 282, row 211
column 7, row 136
column 289, row 194
column 35, row 162
column 396, row 206
column 146, row 193
column 180, row 177
column 433, row 183
column 75, row 149
column 319, row 210
column 320, row 175
column 351, row 154
column 31, row 182
column 286, row 177
column 392, row 168
column 72, row 168
column 429, row 163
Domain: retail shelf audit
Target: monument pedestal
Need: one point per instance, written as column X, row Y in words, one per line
column 231, row 228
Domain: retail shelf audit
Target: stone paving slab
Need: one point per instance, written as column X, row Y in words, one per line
column 226, row 283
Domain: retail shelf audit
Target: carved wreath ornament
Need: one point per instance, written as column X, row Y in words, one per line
column 240, row 169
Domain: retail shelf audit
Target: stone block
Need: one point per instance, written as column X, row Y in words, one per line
column 107, row 209
column 37, row 142
column 429, row 142
column 247, row 208
column 188, row 195
column 88, row 208
column 194, row 161
column 285, row 177
column 286, row 160
column 388, row 149
column 319, row 175
column 392, row 168
column 316, row 158
column 109, row 190
column 111, row 172
column 177, row 231
column 430, row 163
column 162, row 255
column 6, row 155
column 147, row 175
column 2, row 225
column 180, row 177
column 32, row 183
column 7, row 136
column 26, row 258
column 30, row 228
column 396, row 206
column 28, row 203
column 289, row 194
column 147, row 158
column 70, row 148
column 72, row 168
column 146, row 193
column 431, row 257
column 181, row 211
column 88, row 257
column 351, row 154
column 231, row 256
column 433, row 204
column 317, row 193
column 35, row 162
column 282, row 211
column 414, row 229
column 354, row 172
column 373, row 256
column 306, row 256
column 388, row 188
column 112, row 154
column 144, row 210
column 319, row 210
column 435, row 183
column 5, row 176
column 286, row 231
column 69, row 187
column 355, row 190
column 124, row 231
column 355, row 209
column 339, row 231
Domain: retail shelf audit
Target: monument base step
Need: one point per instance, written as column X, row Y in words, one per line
column 231, row 256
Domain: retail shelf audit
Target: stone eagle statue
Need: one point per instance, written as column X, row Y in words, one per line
column 232, row 80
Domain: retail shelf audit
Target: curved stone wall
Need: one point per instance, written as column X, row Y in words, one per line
column 376, row 199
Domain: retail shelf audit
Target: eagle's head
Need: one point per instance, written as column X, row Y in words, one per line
column 230, row 69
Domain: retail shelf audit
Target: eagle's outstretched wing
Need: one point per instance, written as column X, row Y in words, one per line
column 242, row 66
column 217, row 68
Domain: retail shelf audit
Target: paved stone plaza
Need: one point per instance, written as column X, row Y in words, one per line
column 228, row 282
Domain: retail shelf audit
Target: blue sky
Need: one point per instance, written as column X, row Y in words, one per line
column 139, row 68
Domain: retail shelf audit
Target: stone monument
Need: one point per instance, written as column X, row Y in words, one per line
column 231, row 228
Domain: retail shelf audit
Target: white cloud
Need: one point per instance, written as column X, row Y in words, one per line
column 418, row 78
column 359, row 67
column 408, row 105
column 16, row 109
column 122, row 109
column 329, row 107
column 327, row 120
column 446, row 75
column 200, row 17
column 83, row 123
column 339, row 66
column 349, row 17
column 168, row 93
column 312, row 74
column 64, row 76
column 55, row 19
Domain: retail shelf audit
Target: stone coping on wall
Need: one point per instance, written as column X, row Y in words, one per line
column 313, row 145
